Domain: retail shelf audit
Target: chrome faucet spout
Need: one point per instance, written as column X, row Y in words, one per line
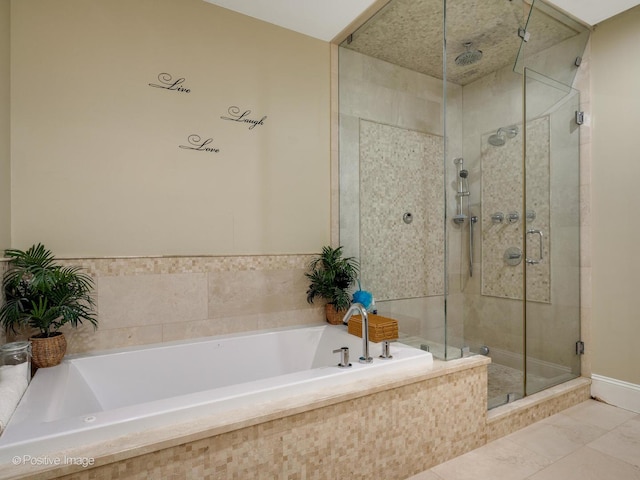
column 359, row 308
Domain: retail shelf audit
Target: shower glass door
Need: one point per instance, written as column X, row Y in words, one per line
column 552, row 232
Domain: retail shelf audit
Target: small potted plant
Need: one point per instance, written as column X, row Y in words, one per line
column 331, row 275
column 45, row 296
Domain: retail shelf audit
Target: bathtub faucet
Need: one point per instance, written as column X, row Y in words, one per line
column 359, row 308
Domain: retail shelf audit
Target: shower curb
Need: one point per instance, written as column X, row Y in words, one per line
column 506, row 419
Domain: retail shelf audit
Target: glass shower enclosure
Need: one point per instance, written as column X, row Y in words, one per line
column 459, row 181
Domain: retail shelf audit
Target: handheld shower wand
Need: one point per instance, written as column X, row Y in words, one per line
column 462, row 191
column 459, row 218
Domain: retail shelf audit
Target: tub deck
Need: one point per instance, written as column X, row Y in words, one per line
column 398, row 422
column 98, row 397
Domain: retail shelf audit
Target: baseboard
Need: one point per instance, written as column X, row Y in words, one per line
column 616, row 392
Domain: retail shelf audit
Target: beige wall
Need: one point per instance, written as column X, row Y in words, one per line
column 5, row 90
column 616, row 170
column 97, row 168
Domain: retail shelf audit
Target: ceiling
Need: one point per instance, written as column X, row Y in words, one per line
column 593, row 12
column 322, row 19
column 404, row 33
column 325, row 19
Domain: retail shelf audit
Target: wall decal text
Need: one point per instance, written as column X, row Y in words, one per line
column 197, row 143
column 168, row 83
column 236, row 116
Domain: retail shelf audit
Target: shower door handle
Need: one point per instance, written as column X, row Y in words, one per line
column 535, row 261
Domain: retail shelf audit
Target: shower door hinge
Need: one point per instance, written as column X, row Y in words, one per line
column 523, row 34
column 579, row 347
column 579, row 117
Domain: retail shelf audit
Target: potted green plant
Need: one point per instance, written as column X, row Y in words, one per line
column 43, row 295
column 331, row 275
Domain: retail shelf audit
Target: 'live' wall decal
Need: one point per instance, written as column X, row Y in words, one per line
column 168, row 83
column 197, row 143
column 235, row 115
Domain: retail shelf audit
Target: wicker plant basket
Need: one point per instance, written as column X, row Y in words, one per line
column 48, row 352
column 334, row 317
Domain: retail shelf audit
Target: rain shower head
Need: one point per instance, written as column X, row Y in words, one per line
column 469, row 57
column 499, row 138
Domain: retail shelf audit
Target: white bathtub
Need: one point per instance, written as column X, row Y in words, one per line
column 96, row 397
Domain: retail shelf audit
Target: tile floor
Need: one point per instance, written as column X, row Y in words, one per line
column 591, row 441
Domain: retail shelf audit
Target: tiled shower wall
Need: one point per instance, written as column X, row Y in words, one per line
column 379, row 93
column 145, row 300
column 502, row 192
column 400, row 174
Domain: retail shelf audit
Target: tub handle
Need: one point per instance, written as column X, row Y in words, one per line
column 386, row 349
column 344, row 357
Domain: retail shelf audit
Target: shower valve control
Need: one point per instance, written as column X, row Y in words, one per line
column 531, row 215
column 513, row 256
column 497, row 217
column 513, row 217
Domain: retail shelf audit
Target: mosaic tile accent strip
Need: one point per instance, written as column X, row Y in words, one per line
column 502, row 192
column 401, row 171
column 198, row 264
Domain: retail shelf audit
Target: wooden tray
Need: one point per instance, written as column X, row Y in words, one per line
column 380, row 328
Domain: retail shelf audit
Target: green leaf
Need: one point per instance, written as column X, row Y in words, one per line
column 44, row 295
column 331, row 275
